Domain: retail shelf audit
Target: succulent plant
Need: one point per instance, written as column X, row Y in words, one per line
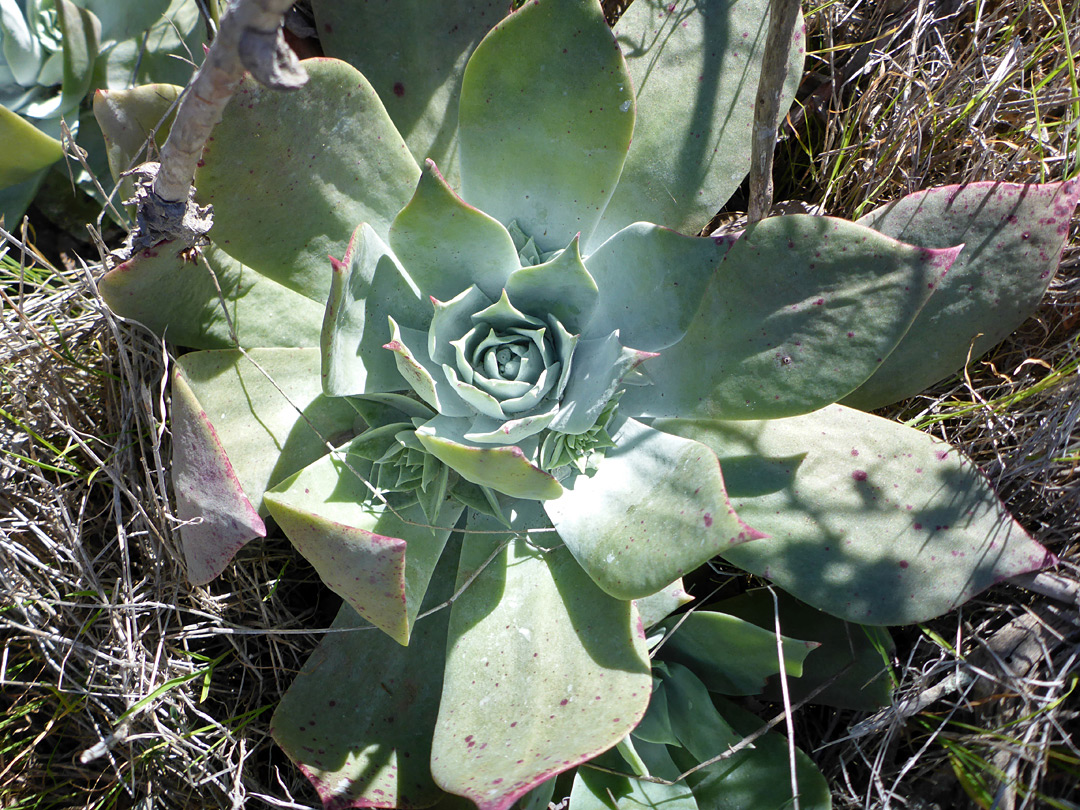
column 514, row 396
column 55, row 52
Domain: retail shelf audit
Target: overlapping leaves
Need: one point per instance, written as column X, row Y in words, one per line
column 521, row 396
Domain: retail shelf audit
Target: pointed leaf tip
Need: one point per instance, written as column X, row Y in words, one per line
column 1014, row 235
column 746, row 533
column 448, row 244
column 217, row 517
column 800, row 312
column 505, row 469
column 871, row 521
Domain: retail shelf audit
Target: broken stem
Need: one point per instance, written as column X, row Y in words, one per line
column 783, row 19
column 249, row 37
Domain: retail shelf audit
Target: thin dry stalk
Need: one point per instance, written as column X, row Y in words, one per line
column 109, row 694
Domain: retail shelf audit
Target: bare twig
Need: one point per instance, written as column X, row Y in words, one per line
column 250, row 38
column 1053, row 585
column 787, row 701
column 1010, row 652
column 784, row 14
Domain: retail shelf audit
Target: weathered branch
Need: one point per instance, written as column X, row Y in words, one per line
column 249, row 38
column 783, row 17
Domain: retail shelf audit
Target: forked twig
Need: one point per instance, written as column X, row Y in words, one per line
column 249, row 38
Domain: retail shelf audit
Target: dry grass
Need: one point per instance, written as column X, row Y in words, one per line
column 115, row 691
column 124, row 685
column 905, row 96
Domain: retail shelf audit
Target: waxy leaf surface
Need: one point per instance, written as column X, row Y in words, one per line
column 868, row 520
column 415, row 62
column 505, row 469
column 658, row 606
column 377, row 559
column 694, row 67
column 655, row 509
column 561, row 287
column 219, row 519
column 128, row 119
column 543, row 143
column 81, row 31
column 29, row 150
column 177, row 298
column 691, row 714
column 259, row 422
column 543, row 669
column 852, row 657
column 291, row 175
column 729, row 655
column 367, row 286
column 448, row 246
column 1012, row 235
column 753, row 779
column 374, row 751
column 647, row 263
column 599, row 790
column 802, row 310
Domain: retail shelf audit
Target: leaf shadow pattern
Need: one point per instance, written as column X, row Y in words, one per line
column 877, row 523
column 380, row 745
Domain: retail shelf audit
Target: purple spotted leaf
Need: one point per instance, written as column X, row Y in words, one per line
column 378, row 558
column 218, row 519
column 202, row 302
column 543, row 669
column 436, row 37
column 868, row 520
column 1013, row 236
column 509, row 341
column 285, row 197
column 375, row 751
column 801, row 311
column 260, row 431
column 655, row 509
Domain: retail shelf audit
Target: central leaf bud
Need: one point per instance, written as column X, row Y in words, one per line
column 508, row 360
column 507, row 363
column 511, row 364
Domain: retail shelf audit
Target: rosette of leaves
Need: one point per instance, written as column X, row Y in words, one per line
column 53, row 53
column 514, row 394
